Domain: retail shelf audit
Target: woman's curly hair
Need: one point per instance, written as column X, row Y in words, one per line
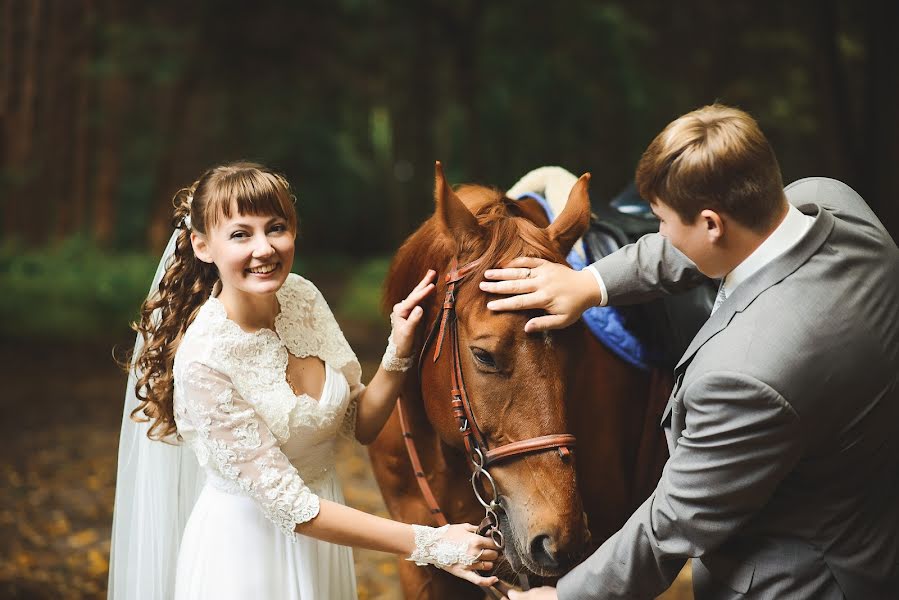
column 242, row 187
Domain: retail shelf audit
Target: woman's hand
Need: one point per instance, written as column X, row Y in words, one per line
column 461, row 547
column 406, row 315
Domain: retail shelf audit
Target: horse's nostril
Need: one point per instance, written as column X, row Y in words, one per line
column 544, row 552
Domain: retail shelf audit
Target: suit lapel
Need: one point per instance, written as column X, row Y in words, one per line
column 710, row 328
column 678, row 378
column 771, row 274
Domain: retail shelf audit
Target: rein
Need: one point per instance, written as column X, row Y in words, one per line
column 480, row 455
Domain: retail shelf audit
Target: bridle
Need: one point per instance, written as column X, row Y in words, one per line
column 480, row 455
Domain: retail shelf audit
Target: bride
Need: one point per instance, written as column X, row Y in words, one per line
column 240, row 382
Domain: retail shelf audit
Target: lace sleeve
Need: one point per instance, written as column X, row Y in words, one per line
column 233, row 441
column 348, row 426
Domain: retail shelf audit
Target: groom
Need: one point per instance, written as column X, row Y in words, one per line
column 783, row 426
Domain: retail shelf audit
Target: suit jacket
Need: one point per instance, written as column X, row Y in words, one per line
column 783, row 426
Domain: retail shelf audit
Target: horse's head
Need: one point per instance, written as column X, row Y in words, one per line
column 515, row 382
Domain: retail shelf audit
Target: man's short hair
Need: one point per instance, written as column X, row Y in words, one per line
column 715, row 157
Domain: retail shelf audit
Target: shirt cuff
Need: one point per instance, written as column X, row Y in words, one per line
column 602, row 284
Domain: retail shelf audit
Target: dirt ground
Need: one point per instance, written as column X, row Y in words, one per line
column 62, row 411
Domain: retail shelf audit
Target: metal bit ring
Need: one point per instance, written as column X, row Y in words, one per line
column 474, row 479
column 497, row 536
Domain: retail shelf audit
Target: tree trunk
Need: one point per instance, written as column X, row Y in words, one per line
column 56, row 123
column 6, row 79
column 20, row 122
column 465, row 33
column 174, row 119
column 837, row 115
column 412, row 103
column 81, row 136
column 879, row 177
column 113, row 98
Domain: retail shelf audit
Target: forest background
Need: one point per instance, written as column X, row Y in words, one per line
column 107, row 108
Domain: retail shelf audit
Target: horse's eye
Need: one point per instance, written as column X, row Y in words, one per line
column 483, row 357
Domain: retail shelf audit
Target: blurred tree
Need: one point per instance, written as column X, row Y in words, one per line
column 107, row 108
column 21, row 32
column 878, row 175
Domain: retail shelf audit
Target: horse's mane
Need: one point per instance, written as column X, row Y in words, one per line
column 511, row 229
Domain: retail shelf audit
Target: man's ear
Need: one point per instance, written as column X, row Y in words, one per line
column 714, row 225
column 201, row 246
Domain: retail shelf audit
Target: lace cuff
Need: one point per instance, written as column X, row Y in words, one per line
column 431, row 549
column 391, row 362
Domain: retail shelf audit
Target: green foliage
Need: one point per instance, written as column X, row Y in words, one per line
column 76, row 291
column 70, row 291
column 362, row 295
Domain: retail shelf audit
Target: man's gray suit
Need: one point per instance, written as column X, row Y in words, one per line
column 783, row 427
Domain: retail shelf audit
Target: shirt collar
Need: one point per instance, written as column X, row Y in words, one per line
column 784, row 237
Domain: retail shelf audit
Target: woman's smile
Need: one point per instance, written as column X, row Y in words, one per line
column 264, row 270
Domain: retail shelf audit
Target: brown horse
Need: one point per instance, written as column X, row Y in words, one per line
column 519, row 386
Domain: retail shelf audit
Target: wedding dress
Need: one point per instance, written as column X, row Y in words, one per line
column 267, row 452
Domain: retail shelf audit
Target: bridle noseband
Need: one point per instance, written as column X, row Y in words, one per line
column 480, row 455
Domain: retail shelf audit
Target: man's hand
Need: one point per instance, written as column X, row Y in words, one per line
column 536, row 283
column 540, row 593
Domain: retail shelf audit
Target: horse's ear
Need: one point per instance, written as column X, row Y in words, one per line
column 575, row 217
column 452, row 214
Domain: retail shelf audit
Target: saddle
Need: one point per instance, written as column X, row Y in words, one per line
column 664, row 327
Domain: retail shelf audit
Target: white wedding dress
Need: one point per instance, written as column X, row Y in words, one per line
column 268, row 453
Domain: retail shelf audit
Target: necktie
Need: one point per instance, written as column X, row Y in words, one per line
column 721, row 297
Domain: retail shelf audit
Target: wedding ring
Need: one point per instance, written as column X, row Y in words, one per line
column 478, row 557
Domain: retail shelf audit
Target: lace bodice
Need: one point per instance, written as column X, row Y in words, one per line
column 234, row 407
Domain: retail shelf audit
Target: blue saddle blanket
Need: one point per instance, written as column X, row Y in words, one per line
column 605, row 322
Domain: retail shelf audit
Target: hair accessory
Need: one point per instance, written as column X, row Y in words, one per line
column 186, row 220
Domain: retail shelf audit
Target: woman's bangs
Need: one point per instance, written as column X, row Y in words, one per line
column 263, row 196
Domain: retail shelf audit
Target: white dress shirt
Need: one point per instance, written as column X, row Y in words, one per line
column 787, row 235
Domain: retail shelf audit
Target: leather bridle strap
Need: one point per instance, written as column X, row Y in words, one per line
column 449, row 301
column 562, row 441
column 419, row 471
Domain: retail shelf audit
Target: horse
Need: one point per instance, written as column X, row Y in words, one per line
column 486, row 388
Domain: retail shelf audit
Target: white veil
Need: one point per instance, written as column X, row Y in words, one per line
column 156, row 487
